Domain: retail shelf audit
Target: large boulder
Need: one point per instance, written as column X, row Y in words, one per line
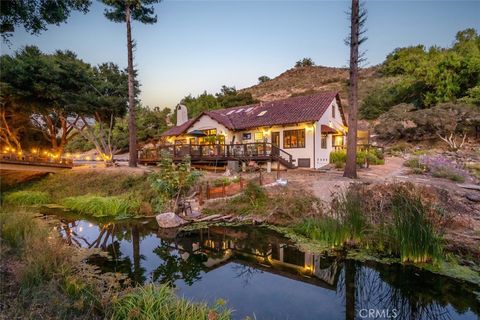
column 170, row 220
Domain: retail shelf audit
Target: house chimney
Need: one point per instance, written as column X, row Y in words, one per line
column 182, row 114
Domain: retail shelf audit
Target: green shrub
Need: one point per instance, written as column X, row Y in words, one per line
column 374, row 157
column 447, row 173
column 224, row 181
column 413, row 234
column 414, row 163
column 338, row 157
column 152, row 302
column 27, row 198
column 101, row 206
column 172, row 181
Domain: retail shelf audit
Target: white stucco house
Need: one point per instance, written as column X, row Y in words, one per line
column 296, row 132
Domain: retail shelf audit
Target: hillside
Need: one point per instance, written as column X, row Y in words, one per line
column 306, row 80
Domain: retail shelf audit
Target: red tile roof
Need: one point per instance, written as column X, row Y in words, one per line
column 177, row 130
column 293, row 110
column 326, row 129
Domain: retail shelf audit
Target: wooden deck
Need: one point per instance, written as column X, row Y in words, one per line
column 218, row 153
column 12, row 161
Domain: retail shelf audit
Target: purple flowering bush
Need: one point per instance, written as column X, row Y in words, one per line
column 438, row 166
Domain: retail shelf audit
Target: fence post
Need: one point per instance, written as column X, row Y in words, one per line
column 208, row 190
column 241, row 182
column 260, row 177
column 200, row 195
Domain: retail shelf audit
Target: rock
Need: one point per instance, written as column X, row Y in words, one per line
column 469, row 186
column 170, row 220
column 475, row 197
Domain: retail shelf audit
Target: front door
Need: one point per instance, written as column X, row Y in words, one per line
column 276, row 139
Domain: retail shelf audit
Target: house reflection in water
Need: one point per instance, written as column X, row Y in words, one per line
column 194, row 259
column 222, row 245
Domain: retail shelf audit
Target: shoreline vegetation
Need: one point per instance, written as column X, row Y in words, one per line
column 53, row 281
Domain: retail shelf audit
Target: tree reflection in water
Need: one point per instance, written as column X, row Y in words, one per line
column 410, row 294
column 175, row 267
column 252, row 251
column 245, row 272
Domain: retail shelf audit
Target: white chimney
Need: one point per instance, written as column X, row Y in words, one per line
column 182, row 114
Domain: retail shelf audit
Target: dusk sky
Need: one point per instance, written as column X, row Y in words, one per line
column 201, row 45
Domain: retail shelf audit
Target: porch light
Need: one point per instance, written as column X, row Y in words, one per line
column 309, row 128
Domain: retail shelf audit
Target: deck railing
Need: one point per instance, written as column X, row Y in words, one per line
column 30, row 159
column 244, row 151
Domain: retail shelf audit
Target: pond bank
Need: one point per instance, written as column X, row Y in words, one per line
column 45, row 277
column 281, row 280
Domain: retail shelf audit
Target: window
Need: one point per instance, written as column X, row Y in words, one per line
column 258, row 136
column 294, row 139
column 333, row 111
column 247, row 136
column 210, row 132
column 323, row 141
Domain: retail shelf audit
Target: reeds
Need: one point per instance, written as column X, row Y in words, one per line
column 98, row 206
column 27, row 198
column 159, row 302
column 413, row 235
column 325, row 229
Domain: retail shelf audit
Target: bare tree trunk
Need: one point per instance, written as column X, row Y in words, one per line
column 351, row 164
column 8, row 135
column 132, row 129
column 350, row 275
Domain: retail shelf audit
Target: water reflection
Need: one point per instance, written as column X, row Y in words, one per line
column 261, row 273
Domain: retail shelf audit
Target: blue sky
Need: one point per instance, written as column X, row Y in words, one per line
column 201, row 45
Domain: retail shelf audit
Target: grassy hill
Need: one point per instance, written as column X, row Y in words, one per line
column 307, row 80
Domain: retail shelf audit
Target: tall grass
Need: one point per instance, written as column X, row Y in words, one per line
column 27, row 198
column 328, row 230
column 349, row 210
column 101, row 206
column 17, row 226
column 404, row 227
column 413, row 234
column 152, row 302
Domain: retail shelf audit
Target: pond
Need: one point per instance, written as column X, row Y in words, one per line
column 261, row 274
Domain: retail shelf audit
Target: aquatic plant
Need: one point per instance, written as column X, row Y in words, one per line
column 413, row 235
column 101, row 206
column 326, row 229
column 152, row 302
column 98, row 182
column 348, row 209
column 27, row 198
